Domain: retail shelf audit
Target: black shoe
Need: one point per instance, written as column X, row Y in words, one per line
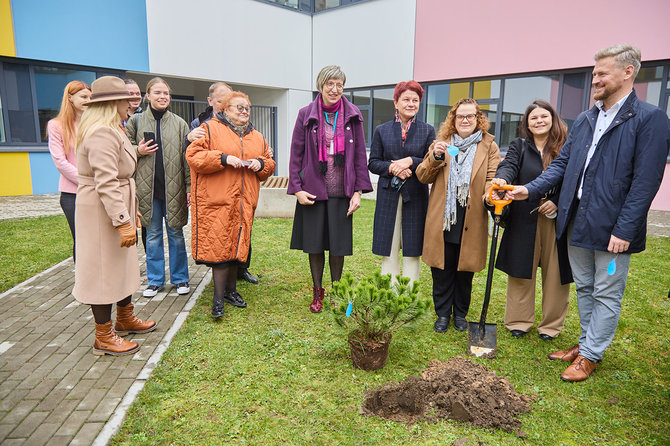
column 460, row 323
column 244, row 274
column 441, row 324
column 546, row 337
column 217, row 308
column 234, row 299
column 518, row 333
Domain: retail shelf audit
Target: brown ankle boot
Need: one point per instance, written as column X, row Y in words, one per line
column 109, row 343
column 127, row 322
column 317, row 301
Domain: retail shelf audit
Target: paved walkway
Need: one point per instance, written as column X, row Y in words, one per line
column 53, row 390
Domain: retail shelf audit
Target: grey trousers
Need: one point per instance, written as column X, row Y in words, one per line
column 599, row 297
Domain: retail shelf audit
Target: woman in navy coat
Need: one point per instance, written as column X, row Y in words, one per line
column 398, row 147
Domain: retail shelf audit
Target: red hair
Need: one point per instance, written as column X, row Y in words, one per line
column 225, row 103
column 67, row 112
column 402, row 87
column 448, row 127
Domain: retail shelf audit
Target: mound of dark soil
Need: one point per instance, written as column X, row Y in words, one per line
column 458, row 389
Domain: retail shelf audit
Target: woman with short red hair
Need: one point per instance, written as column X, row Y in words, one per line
column 398, row 147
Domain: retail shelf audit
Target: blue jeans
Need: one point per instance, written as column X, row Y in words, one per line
column 599, row 297
column 156, row 253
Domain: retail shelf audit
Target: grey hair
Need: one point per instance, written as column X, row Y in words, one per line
column 215, row 85
column 327, row 73
column 130, row 81
column 624, row 54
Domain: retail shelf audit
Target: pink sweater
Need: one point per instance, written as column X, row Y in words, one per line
column 66, row 164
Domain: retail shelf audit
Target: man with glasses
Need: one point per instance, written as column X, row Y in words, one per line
column 217, row 91
column 610, row 167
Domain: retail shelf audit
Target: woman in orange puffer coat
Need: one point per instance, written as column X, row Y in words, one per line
column 227, row 166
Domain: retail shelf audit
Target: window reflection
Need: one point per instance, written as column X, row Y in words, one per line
column 49, row 85
column 648, row 84
column 320, row 5
column 3, row 138
column 486, row 89
column 572, row 97
column 362, row 97
column 383, row 109
column 441, row 98
column 518, row 93
column 19, row 103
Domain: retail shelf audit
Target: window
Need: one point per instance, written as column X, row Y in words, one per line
column 440, row 100
column 383, row 109
column 320, row 5
column 518, row 93
column 648, row 84
column 31, row 95
column 572, row 97
column 49, row 85
column 18, row 102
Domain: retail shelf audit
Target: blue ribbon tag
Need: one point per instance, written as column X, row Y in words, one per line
column 611, row 268
column 350, row 308
column 452, row 150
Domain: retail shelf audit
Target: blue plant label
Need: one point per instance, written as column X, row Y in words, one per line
column 611, row 268
column 350, row 308
column 452, row 150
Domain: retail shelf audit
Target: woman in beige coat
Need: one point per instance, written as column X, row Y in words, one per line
column 460, row 164
column 106, row 218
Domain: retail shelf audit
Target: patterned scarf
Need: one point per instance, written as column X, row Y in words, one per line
column 404, row 129
column 239, row 129
column 460, row 169
column 338, row 134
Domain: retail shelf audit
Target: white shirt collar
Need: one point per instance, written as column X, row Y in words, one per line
column 615, row 108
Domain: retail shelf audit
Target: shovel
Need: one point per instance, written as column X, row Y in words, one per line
column 483, row 337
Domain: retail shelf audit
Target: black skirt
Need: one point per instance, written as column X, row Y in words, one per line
column 323, row 226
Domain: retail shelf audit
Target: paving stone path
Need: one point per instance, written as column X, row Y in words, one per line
column 53, row 390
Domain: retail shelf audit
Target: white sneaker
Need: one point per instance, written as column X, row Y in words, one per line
column 183, row 288
column 151, row 290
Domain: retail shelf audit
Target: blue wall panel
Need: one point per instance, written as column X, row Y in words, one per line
column 43, row 173
column 101, row 33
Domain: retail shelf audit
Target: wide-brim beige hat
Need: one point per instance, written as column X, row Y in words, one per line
column 108, row 88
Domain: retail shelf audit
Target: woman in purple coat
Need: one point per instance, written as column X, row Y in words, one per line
column 327, row 174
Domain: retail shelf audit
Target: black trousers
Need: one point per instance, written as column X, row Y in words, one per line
column 67, row 204
column 451, row 288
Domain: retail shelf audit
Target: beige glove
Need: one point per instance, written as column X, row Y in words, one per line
column 128, row 235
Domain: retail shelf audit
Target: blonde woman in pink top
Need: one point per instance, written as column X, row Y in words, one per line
column 62, row 131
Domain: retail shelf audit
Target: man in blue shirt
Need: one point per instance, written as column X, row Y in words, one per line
column 610, row 168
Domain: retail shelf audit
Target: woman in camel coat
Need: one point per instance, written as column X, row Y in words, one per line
column 106, row 218
column 456, row 231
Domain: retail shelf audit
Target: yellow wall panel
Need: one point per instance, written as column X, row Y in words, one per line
column 15, row 174
column 7, row 47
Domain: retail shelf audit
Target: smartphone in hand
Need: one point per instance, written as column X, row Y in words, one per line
column 149, row 136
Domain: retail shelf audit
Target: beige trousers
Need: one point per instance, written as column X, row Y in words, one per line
column 391, row 263
column 520, row 308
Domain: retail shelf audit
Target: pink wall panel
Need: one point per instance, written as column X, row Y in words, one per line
column 490, row 37
column 662, row 200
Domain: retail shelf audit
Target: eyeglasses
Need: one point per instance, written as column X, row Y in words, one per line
column 333, row 85
column 468, row 118
column 242, row 108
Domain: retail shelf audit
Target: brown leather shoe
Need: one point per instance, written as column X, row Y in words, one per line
column 127, row 322
column 565, row 355
column 107, row 342
column 580, row 369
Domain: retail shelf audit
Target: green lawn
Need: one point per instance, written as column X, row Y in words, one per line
column 31, row 245
column 275, row 373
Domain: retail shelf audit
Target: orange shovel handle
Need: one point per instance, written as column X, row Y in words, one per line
column 497, row 202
